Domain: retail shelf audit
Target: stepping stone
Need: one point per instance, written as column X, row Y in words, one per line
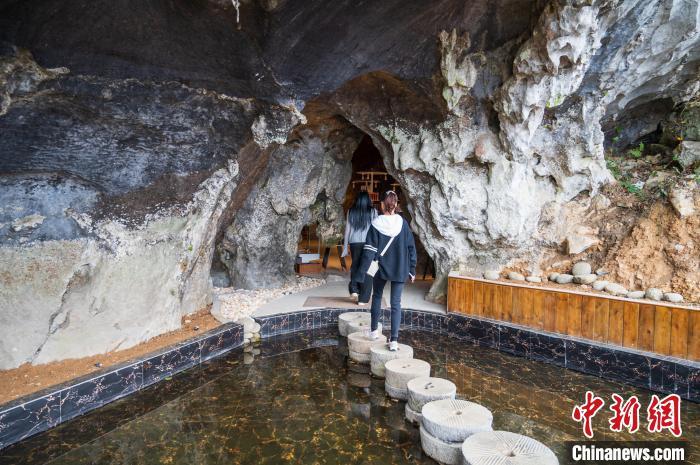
column 503, row 447
column 399, row 372
column 448, row 453
column 359, row 345
column 455, row 420
column 344, row 319
column 379, row 355
column 412, row 416
column 426, row 389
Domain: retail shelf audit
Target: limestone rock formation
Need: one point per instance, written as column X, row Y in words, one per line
column 140, row 141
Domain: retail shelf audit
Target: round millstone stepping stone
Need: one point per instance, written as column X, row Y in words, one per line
column 359, row 345
column 448, row 453
column 505, row 448
column 344, row 320
column 427, row 389
column 412, row 416
column 455, row 420
column 399, row 372
column 381, row 354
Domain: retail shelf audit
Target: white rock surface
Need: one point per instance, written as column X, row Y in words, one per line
column 396, row 393
column 455, row 420
column 515, row 276
column 564, row 278
column 673, row 297
column 427, row 389
column 600, row 285
column 585, row 278
column 681, row 197
column 381, row 354
column 636, row 294
column 615, row 289
column 344, row 319
column 448, row 453
column 505, row 448
column 27, row 222
column 533, row 279
column 654, row 294
column 581, row 268
column 493, row 275
column 553, row 277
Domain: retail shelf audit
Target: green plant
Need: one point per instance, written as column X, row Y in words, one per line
column 189, row 248
column 613, row 167
column 556, row 102
column 637, row 152
column 631, row 187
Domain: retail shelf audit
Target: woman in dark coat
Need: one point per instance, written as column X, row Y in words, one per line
column 397, row 264
column 357, row 224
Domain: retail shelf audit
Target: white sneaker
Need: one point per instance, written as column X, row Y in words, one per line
column 376, row 333
column 394, row 346
column 355, row 296
column 362, row 303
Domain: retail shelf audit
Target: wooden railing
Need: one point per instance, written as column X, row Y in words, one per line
column 639, row 324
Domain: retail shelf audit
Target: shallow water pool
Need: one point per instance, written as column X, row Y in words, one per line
column 301, row 401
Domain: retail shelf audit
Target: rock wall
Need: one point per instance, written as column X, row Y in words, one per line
column 139, row 137
column 305, row 184
column 110, row 215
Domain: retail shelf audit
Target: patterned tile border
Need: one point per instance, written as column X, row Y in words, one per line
column 38, row 412
column 642, row 369
column 34, row 414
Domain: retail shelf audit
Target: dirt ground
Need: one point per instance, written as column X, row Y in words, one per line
column 28, row 378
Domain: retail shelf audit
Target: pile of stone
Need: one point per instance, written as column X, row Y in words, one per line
column 582, row 274
column 229, row 304
column 251, row 338
column 251, row 330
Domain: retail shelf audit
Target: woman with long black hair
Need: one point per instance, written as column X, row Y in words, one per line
column 357, row 224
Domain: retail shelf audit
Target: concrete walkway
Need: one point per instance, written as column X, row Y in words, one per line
column 413, row 298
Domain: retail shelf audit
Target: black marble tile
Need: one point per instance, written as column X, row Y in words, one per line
column 514, row 341
column 682, row 380
column 605, row 362
column 549, row 349
column 96, row 392
column 694, row 384
column 483, row 333
column 316, row 319
column 220, row 342
column 306, row 321
column 266, row 325
column 329, row 318
column 29, row 418
column 283, row 323
column 165, row 364
column 662, row 373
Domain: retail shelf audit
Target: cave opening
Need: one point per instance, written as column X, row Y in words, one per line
column 369, row 174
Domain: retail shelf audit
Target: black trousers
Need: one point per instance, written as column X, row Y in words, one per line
column 358, row 283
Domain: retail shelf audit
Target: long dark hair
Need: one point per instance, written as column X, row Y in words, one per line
column 360, row 215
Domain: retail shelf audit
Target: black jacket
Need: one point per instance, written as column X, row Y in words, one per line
column 398, row 262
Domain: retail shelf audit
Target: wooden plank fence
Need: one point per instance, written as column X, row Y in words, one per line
column 657, row 327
